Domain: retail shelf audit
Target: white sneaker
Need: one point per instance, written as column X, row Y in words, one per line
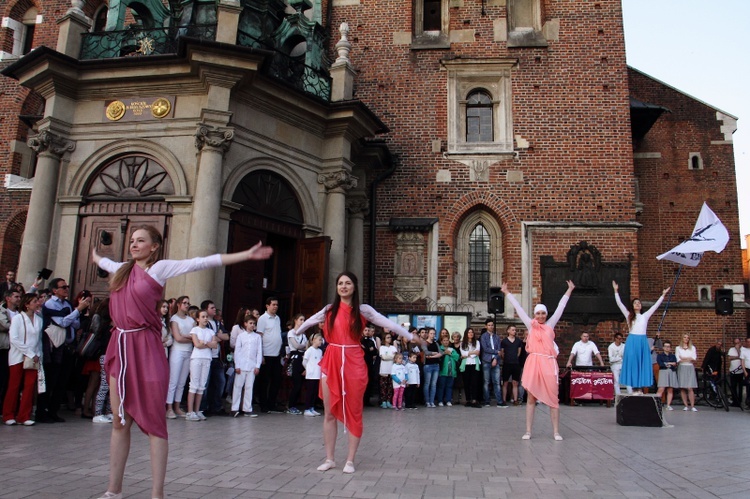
column 685, row 408
column 448, row 404
column 669, row 408
column 171, row 414
column 694, row 409
column 101, row 419
column 109, row 417
column 440, row 404
column 29, row 422
column 201, row 416
column 309, row 413
column 315, row 412
column 191, row 416
column 10, row 422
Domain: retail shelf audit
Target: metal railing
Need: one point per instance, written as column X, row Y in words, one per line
column 141, row 42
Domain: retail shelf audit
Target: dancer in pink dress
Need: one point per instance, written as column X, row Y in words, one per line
column 540, row 371
column 135, row 360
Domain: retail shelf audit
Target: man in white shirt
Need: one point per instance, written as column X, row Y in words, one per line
column 212, row 403
column 584, row 351
column 736, row 375
column 615, row 351
column 269, row 379
column 745, row 361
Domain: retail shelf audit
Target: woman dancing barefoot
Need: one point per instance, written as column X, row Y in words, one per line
column 135, row 360
column 344, row 372
column 540, row 371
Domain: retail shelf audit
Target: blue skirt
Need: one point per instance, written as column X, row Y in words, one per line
column 637, row 370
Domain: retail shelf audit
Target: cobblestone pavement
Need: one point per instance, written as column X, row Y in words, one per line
column 442, row 452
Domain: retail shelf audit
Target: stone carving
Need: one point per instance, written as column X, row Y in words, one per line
column 341, row 179
column 585, row 261
column 480, row 170
column 358, row 205
column 409, row 271
column 47, row 141
column 343, row 46
column 213, row 137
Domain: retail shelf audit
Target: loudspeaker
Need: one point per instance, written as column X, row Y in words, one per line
column 724, row 302
column 639, row 410
column 496, row 301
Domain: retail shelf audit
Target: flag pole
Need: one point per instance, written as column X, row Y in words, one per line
column 669, row 300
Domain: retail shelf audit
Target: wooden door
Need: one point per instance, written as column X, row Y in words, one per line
column 109, row 235
column 243, row 284
column 312, row 274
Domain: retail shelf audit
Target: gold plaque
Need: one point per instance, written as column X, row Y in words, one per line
column 116, row 110
column 161, row 107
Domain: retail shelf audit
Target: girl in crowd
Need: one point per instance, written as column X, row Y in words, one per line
column 297, row 346
column 432, row 357
column 101, row 324
column 471, row 367
column 398, row 378
column 637, row 369
column 311, row 363
column 239, row 327
column 23, row 358
column 179, row 356
column 387, row 354
column 667, row 373
column 204, row 340
column 162, row 307
column 447, row 373
column 135, row 360
column 248, row 357
column 686, row 357
column 541, row 370
column 344, row 372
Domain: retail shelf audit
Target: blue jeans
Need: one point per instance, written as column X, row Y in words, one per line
column 491, row 374
column 431, row 372
column 445, row 389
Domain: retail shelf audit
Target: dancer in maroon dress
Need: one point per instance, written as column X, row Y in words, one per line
column 344, row 371
column 135, row 360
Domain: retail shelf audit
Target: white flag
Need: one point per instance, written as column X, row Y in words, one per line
column 709, row 234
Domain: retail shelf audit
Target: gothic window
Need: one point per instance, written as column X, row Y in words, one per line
column 479, row 110
column 479, row 264
column 479, row 117
column 479, row 259
column 695, row 161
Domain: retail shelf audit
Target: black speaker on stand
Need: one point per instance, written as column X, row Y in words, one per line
column 723, row 302
column 495, row 301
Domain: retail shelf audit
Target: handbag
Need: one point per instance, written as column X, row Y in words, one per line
column 28, row 362
column 89, row 346
column 56, row 334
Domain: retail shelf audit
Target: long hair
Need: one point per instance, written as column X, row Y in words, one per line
column 355, row 323
column 123, row 273
column 465, row 342
column 631, row 310
column 240, row 319
column 159, row 303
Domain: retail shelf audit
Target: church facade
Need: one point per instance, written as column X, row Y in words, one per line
column 435, row 148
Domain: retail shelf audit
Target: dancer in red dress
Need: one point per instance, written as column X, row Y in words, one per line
column 135, row 360
column 344, row 371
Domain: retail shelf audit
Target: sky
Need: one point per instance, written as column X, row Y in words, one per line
column 703, row 49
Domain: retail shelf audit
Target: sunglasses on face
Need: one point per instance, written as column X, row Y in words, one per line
column 63, row 287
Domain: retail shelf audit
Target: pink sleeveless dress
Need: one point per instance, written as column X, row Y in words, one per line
column 540, row 372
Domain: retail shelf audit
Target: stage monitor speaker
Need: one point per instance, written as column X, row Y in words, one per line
column 496, row 301
column 724, row 302
column 639, row 410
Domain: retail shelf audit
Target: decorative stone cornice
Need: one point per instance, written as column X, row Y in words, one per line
column 47, row 141
column 341, row 179
column 208, row 136
column 358, row 206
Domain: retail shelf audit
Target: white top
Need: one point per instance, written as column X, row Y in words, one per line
column 640, row 321
column 270, row 328
column 734, row 365
column 32, row 346
column 412, row 374
column 311, row 363
column 551, row 321
column 205, row 335
column 685, row 354
column 368, row 313
column 164, row 269
column 185, row 324
column 745, row 356
column 471, row 360
column 297, row 341
column 615, row 353
column 401, row 372
column 585, row 352
column 386, row 358
column 248, row 351
column 236, row 330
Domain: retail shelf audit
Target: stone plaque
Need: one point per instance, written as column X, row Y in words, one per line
column 138, row 109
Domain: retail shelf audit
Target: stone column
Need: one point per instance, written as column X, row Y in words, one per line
column 71, row 26
column 36, row 236
column 212, row 142
column 358, row 207
column 336, row 184
column 228, row 19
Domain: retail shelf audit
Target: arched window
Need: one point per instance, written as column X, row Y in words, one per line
column 479, row 264
column 479, row 117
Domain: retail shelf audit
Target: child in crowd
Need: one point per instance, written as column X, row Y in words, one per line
column 200, row 362
column 412, row 381
column 311, row 364
column 398, row 376
column 248, row 356
column 387, row 353
column 448, row 372
column 667, row 373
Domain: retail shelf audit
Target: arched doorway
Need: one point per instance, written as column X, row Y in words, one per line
column 296, row 274
column 125, row 192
